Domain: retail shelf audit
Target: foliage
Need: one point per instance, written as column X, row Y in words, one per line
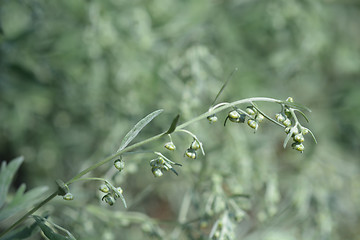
column 76, row 75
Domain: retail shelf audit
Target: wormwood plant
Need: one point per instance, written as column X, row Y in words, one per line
column 244, row 111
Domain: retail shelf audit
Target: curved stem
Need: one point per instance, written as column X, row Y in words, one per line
column 220, row 107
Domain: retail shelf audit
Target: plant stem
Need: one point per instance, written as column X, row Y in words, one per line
column 136, row 145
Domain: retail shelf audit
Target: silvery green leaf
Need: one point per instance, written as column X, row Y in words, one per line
column 49, row 232
column 22, row 201
column 7, row 173
column 173, row 124
column 137, row 128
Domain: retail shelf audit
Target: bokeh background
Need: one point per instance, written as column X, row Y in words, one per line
column 75, row 76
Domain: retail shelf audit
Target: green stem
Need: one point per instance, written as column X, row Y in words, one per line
column 136, row 145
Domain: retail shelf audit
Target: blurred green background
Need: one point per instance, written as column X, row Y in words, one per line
column 75, row 76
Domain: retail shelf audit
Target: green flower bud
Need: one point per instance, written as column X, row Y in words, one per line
column 253, row 124
column 259, row 118
column 104, row 188
column 157, row 172
column 109, row 199
column 190, row 153
column 304, row 131
column 119, row 164
column 195, row 145
column 287, row 122
column 287, row 130
column 250, row 111
column 212, row 118
column 68, row 196
column 279, row 117
column 119, row 189
column 234, row 116
column 298, row 146
column 170, row 146
column 290, row 99
column 299, row 138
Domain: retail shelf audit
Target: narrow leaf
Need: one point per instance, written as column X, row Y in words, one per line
column 22, row 201
column 288, row 136
column 49, row 232
column 303, row 114
column 6, row 175
column 173, row 124
column 137, row 128
column 224, row 85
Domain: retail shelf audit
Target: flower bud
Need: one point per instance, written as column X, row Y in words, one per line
column 190, row 153
column 157, row 172
column 298, row 146
column 304, row 131
column 109, row 199
column 259, row 118
column 104, row 188
column 279, row 117
column 195, row 145
column 287, row 122
column 253, row 124
column 290, row 99
column 212, row 118
column 299, row 138
column 250, row 111
column 234, row 116
column 287, row 130
column 68, row 196
column 170, row 146
column 119, row 164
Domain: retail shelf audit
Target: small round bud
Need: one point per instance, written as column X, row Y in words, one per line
column 234, row 116
column 212, row 118
column 190, row 153
column 279, row 117
column 287, row 122
column 68, row 196
column 290, row 99
column 253, row 124
column 170, row 146
column 195, row 145
column 250, row 111
column 157, row 172
column 104, row 188
column 287, row 113
column 304, row 131
column 119, row 164
column 299, row 138
column 116, row 194
column 287, row 130
column 298, row 146
column 259, row 118
column 295, row 131
column 109, row 199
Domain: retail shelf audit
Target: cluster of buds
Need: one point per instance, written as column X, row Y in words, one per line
column 162, row 164
column 293, row 128
column 112, row 193
column 191, row 151
column 239, row 116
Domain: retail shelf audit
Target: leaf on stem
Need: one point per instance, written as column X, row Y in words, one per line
column 173, row 124
column 49, row 232
column 137, row 128
column 7, row 173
